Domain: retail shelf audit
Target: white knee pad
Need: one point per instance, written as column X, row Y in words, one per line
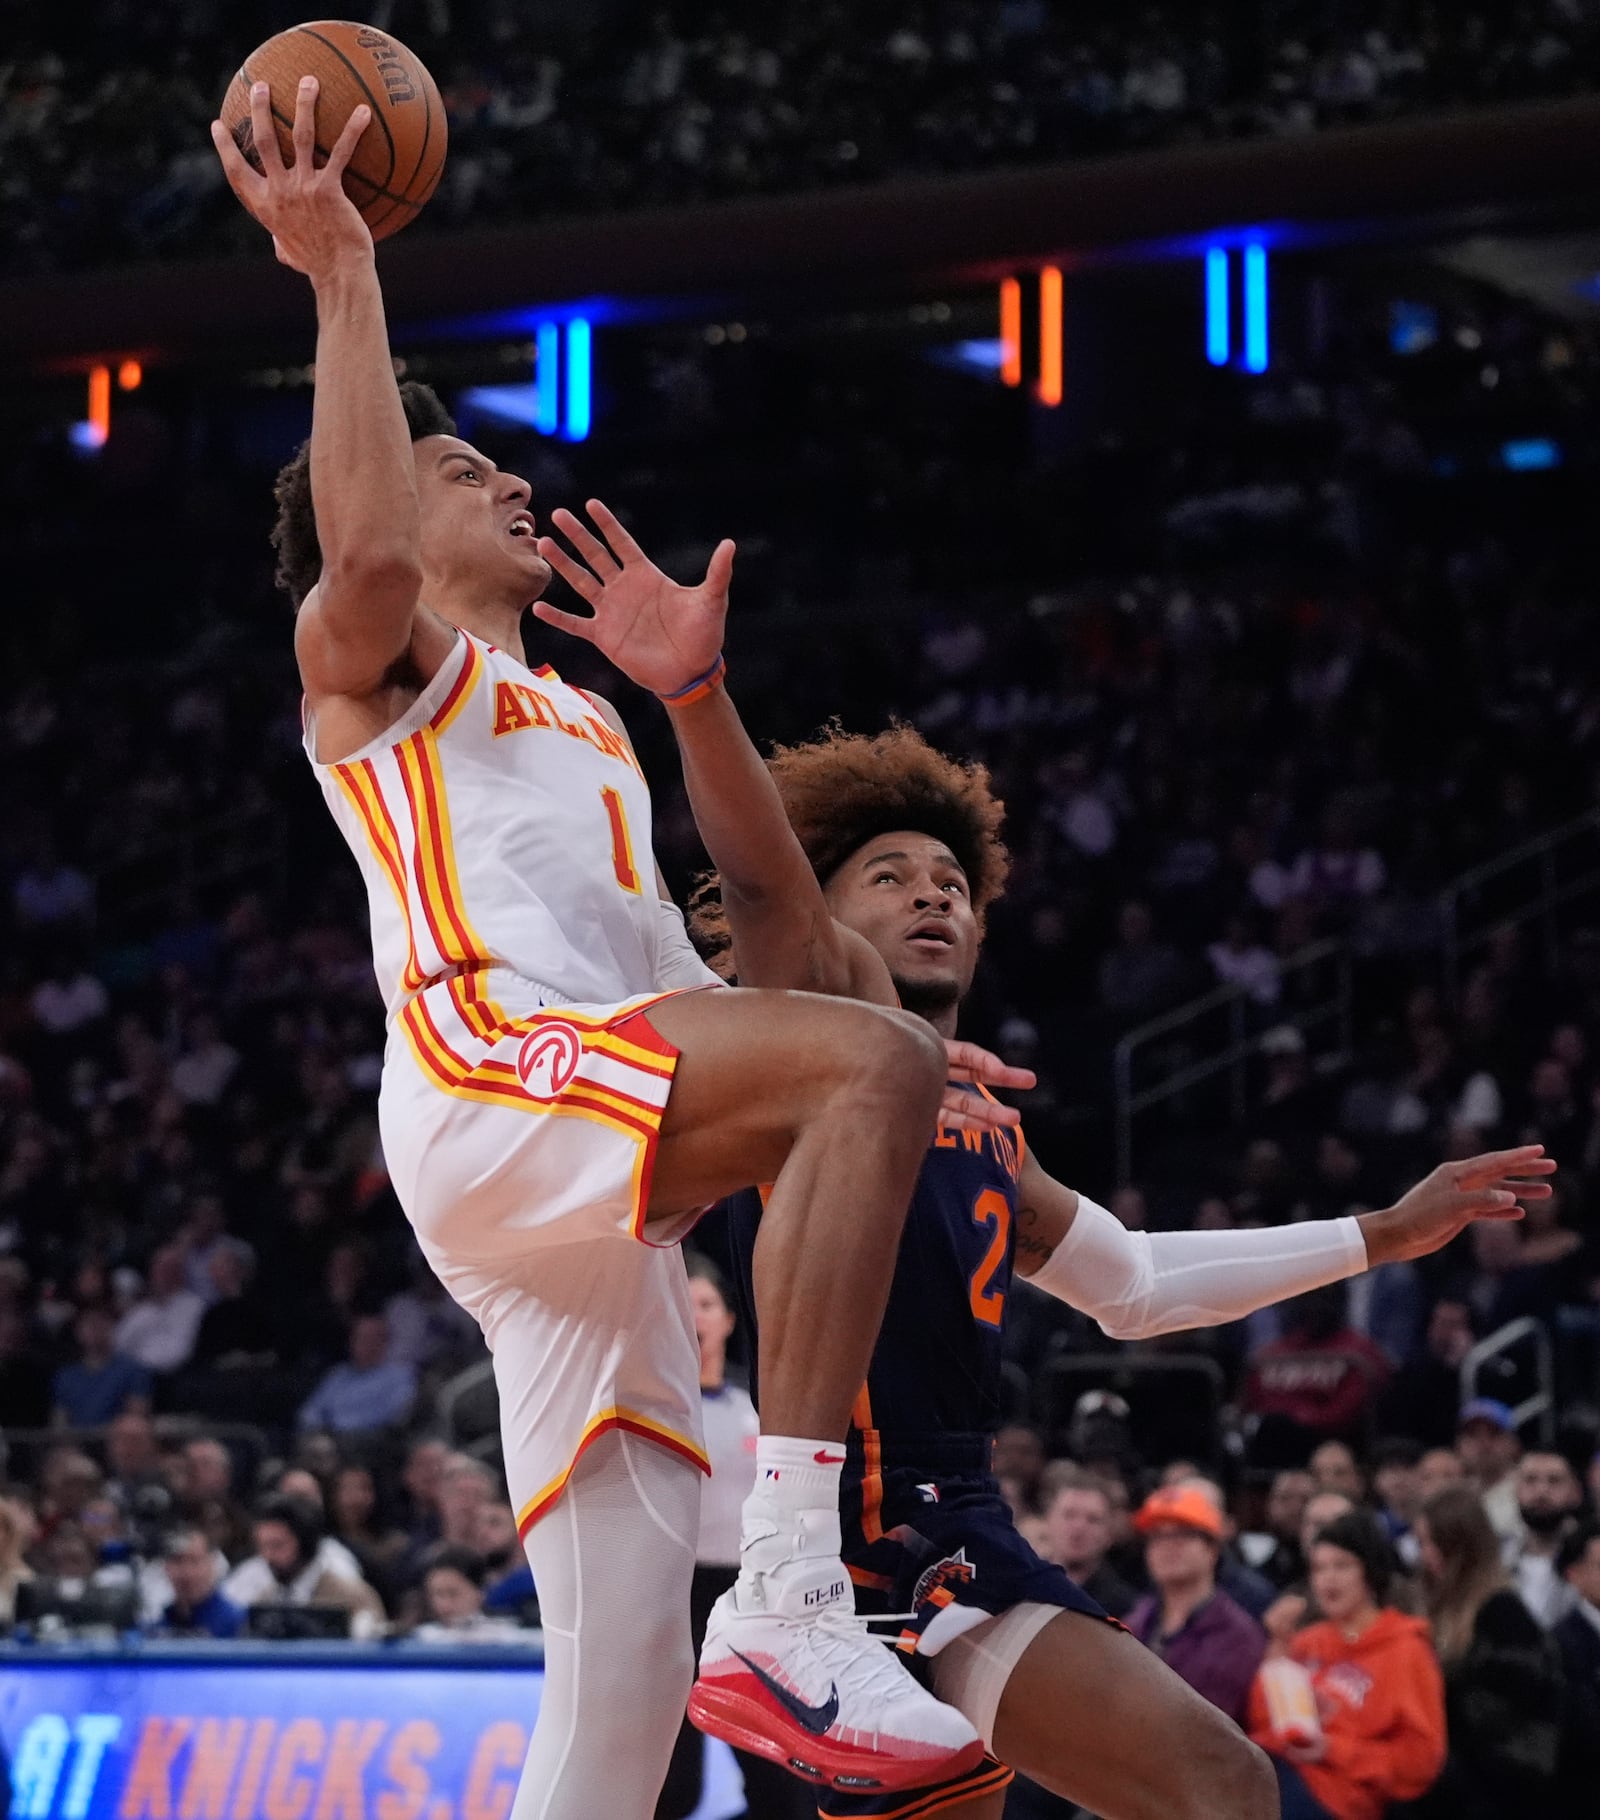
column 971, row 1671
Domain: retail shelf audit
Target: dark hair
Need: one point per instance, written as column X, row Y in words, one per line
column 465, row 1561
column 1575, row 1544
column 298, row 1515
column 699, row 1265
column 294, row 533
column 841, row 790
column 1360, row 1534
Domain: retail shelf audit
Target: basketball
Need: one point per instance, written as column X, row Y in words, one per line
column 400, row 158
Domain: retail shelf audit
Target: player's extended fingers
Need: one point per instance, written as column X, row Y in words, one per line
column 967, row 1112
column 1526, row 1159
column 244, row 180
column 584, row 541
column 263, row 131
column 305, row 125
column 622, row 541
column 574, row 623
column 571, row 571
column 344, row 146
column 972, row 1062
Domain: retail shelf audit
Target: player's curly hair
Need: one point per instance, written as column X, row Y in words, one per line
column 294, row 534
column 841, row 790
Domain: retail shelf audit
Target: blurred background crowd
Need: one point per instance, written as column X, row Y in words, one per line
column 1262, row 679
column 614, row 104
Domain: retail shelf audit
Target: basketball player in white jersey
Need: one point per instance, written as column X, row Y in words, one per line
column 563, row 1088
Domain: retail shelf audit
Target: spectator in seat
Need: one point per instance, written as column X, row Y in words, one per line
column 103, row 1382
column 366, row 1392
column 198, row 1607
column 17, row 1531
column 159, row 1331
column 1425, row 1397
column 1334, row 1467
column 1142, row 975
column 1077, row 1534
column 1549, row 1498
column 1397, row 1491
column 1503, row 1691
column 1376, row 1680
column 1196, row 1629
column 1319, row 1382
column 237, row 1328
column 290, row 1566
column 508, row 1588
column 1274, row 1551
column 1578, row 1638
column 419, row 1482
column 452, row 1596
column 1489, row 1448
column 1437, row 1470
column 133, row 1460
column 355, row 1520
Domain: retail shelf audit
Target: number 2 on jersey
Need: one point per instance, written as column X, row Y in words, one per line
column 621, row 841
column 993, row 1210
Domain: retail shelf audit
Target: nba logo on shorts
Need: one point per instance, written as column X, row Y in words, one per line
column 549, row 1059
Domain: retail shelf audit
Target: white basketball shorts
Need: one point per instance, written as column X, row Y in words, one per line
column 521, row 1149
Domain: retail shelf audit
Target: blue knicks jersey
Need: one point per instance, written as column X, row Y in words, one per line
column 933, row 1387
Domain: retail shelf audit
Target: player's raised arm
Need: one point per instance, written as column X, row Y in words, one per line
column 359, row 618
column 668, row 639
column 1139, row 1284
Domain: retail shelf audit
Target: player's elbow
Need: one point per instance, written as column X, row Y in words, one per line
column 373, row 581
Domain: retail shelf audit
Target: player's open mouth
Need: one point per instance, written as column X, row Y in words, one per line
column 932, row 936
column 521, row 526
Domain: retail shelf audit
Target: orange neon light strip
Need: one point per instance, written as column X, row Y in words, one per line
column 1010, row 331
column 1050, row 344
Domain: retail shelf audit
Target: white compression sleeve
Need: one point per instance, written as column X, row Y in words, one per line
column 1137, row 1284
column 678, row 967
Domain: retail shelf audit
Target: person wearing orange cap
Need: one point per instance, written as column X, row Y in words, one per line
column 1205, row 1637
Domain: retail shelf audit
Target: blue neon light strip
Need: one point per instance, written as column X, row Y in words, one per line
column 546, row 374
column 580, row 341
column 1255, row 309
column 1218, row 343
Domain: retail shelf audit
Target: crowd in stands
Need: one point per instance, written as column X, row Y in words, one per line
column 627, row 103
column 1271, row 675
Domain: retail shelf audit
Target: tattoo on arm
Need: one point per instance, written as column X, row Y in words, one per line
column 1033, row 1249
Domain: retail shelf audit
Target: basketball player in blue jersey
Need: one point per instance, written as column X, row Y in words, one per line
column 565, row 1086
column 865, row 867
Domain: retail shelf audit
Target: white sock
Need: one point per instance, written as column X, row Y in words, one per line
column 793, row 1507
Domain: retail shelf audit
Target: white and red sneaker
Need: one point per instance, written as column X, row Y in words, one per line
column 789, row 1672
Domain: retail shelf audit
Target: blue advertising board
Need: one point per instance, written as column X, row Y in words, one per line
column 280, row 1732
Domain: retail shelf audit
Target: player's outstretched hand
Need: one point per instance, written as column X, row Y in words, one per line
column 972, row 1111
column 659, row 634
column 1443, row 1203
column 314, row 225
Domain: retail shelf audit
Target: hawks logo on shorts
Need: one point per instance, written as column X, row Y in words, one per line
column 954, row 1570
column 549, row 1059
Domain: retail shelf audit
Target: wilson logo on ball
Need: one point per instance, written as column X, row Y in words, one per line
column 548, row 1060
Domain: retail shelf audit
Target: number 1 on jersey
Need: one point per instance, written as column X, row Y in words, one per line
column 993, row 1210
column 621, row 841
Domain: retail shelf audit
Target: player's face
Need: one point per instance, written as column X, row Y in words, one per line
column 476, row 526
column 907, row 895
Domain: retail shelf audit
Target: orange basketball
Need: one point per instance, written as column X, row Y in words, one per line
column 400, row 157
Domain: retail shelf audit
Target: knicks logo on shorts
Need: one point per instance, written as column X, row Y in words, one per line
column 548, row 1059
column 944, row 1576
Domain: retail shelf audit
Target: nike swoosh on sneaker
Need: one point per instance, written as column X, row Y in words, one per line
column 815, row 1719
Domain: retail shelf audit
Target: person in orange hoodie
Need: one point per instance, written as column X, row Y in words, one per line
column 1379, row 1730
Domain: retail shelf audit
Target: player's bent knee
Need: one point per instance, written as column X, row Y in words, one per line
column 895, row 1056
column 1226, row 1777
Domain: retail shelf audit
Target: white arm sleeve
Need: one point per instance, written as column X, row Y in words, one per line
column 678, row 967
column 1137, row 1284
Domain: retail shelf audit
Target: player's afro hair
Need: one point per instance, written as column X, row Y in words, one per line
column 294, row 535
column 841, row 790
